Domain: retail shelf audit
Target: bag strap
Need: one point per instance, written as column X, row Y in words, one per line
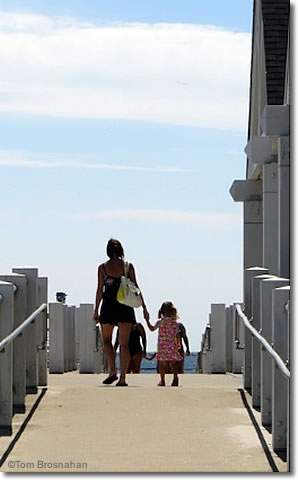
column 126, row 268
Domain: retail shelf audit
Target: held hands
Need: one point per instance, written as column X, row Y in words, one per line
column 96, row 317
column 187, row 353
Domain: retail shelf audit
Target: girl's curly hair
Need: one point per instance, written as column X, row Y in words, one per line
column 168, row 309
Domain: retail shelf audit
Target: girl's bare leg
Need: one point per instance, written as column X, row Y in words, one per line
column 107, row 332
column 135, row 362
column 162, row 372
column 124, row 332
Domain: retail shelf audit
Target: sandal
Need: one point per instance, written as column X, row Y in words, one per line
column 175, row 382
column 121, row 384
column 161, row 384
column 110, row 379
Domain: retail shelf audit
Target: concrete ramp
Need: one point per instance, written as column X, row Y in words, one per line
column 80, row 425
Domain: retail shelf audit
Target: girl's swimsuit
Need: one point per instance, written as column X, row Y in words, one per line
column 168, row 344
column 134, row 343
column 111, row 311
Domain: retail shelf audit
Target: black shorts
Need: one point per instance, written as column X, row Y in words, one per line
column 112, row 313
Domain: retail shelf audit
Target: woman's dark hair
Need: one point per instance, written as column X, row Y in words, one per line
column 114, row 249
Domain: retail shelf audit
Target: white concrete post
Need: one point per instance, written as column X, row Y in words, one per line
column 249, row 273
column 280, row 335
column 6, row 327
column 209, row 344
column 284, row 207
column 19, row 343
column 255, row 345
column 66, row 338
column 266, row 288
column 218, row 337
column 270, row 217
column 87, row 338
column 253, row 233
column 77, row 338
column 229, row 338
column 250, row 193
column 87, row 335
column 31, row 339
column 99, row 357
column 41, row 331
column 72, row 337
column 56, row 337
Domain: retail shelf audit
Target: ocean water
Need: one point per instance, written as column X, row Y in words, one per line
column 149, row 366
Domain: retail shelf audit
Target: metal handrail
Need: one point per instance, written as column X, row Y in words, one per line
column 278, row 360
column 6, row 341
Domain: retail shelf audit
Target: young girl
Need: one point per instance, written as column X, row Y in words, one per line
column 168, row 342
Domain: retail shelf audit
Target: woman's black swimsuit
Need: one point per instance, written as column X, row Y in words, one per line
column 111, row 311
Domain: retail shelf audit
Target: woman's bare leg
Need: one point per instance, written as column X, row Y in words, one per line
column 162, row 373
column 107, row 332
column 124, row 332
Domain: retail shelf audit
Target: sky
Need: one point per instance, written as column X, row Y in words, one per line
column 126, row 119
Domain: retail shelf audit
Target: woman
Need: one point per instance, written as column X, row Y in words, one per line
column 112, row 312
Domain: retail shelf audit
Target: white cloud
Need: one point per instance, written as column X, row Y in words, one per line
column 176, row 73
column 20, row 159
column 216, row 221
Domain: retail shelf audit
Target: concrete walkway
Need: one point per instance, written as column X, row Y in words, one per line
column 81, row 425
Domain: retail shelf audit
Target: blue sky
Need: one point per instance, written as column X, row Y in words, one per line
column 126, row 119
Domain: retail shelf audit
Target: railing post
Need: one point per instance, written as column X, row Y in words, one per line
column 280, row 335
column 56, row 337
column 249, row 273
column 41, row 327
column 266, row 288
column 19, row 344
column 289, row 388
column 237, row 356
column 6, row 327
column 255, row 346
column 31, row 338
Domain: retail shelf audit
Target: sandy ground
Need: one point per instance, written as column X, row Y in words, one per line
column 81, row 425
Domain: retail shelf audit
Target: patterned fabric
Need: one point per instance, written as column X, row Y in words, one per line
column 168, row 344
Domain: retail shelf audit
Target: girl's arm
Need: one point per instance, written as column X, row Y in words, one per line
column 150, row 357
column 153, row 327
column 132, row 276
column 98, row 293
column 185, row 338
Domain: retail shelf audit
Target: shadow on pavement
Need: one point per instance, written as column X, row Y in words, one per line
column 23, row 426
column 258, row 431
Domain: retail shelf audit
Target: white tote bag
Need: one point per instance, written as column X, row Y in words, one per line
column 128, row 293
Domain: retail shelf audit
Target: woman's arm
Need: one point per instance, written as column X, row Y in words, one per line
column 98, row 297
column 151, row 327
column 132, row 276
